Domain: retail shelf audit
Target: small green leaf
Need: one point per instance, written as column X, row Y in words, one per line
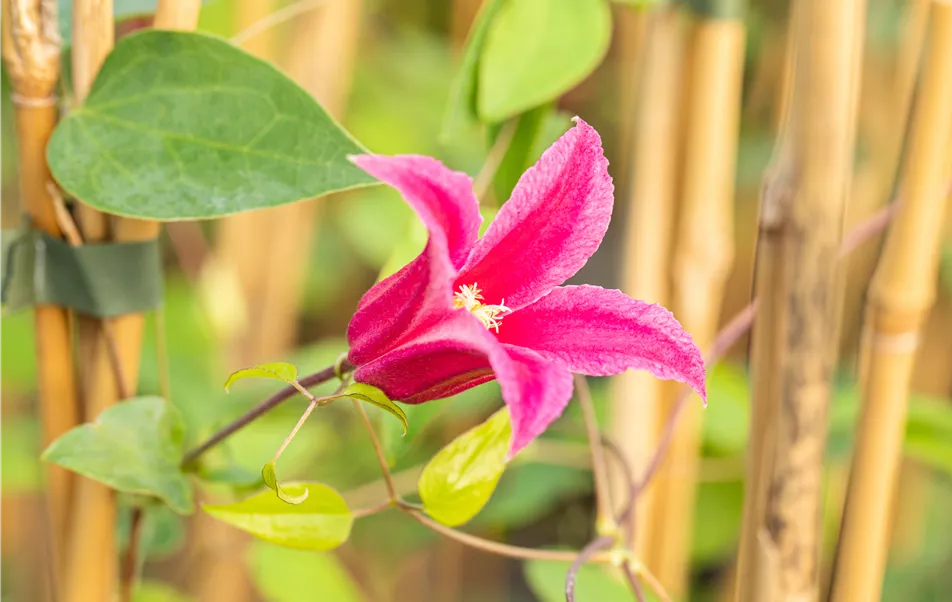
column 270, row 476
column 183, row 125
column 536, row 50
column 133, row 447
column 321, row 522
column 462, row 103
column 276, row 370
column 374, row 396
column 461, row 478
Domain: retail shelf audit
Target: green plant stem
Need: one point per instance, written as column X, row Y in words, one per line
column 311, row 380
column 378, row 449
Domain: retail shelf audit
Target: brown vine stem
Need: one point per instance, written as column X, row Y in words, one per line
column 633, row 583
column 588, row 552
column 503, row 549
column 364, row 512
column 131, row 561
column 311, row 380
column 604, row 519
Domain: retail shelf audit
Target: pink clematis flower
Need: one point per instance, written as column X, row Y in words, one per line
column 468, row 309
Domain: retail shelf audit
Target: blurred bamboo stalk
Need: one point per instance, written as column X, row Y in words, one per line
column 92, row 568
column 91, row 560
column 31, row 52
column 236, row 266
column 321, row 60
column 631, row 28
column 901, row 295
column 702, row 259
column 803, row 212
column 648, row 231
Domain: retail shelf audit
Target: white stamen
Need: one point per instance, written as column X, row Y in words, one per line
column 469, row 297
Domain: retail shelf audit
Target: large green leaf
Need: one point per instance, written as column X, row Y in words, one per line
column 462, row 101
column 461, row 478
column 284, row 575
column 595, row 583
column 321, row 522
column 536, row 50
column 185, row 126
column 134, row 447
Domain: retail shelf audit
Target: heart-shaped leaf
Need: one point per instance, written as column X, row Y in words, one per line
column 270, row 476
column 536, row 50
column 275, row 370
column 374, row 396
column 183, row 125
column 321, row 522
column 134, row 447
column 459, row 480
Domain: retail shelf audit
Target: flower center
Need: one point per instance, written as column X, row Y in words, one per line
column 469, row 297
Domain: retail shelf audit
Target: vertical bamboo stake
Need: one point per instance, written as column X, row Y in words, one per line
column 92, row 569
column 702, row 260
column 31, row 51
column 233, row 256
column 648, row 229
column 91, row 558
column 809, row 217
column 901, row 294
column 322, row 57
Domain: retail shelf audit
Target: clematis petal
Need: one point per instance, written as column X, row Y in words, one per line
column 442, row 198
column 599, row 332
column 402, row 305
column 536, row 390
column 444, row 361
column 554, row 221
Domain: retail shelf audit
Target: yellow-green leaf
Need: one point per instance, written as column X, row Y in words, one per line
column 275, row 370
column 320, row 522
column 460, row 479
column 270, row 476
column 374, row 396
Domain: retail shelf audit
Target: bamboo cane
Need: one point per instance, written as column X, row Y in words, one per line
column 901, row 294
column 754, row 564
column 31, row 51
column 648, row 230
column 92, row 569
column 322, row 53
column 810, row 220
column 91, row 557
column 233, row 257
column 702, row 260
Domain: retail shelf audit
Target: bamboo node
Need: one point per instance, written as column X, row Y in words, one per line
column 22, row 100
column 894, row 344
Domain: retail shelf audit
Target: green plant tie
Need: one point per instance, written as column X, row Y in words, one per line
column 101, row 280
column 717, row 9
